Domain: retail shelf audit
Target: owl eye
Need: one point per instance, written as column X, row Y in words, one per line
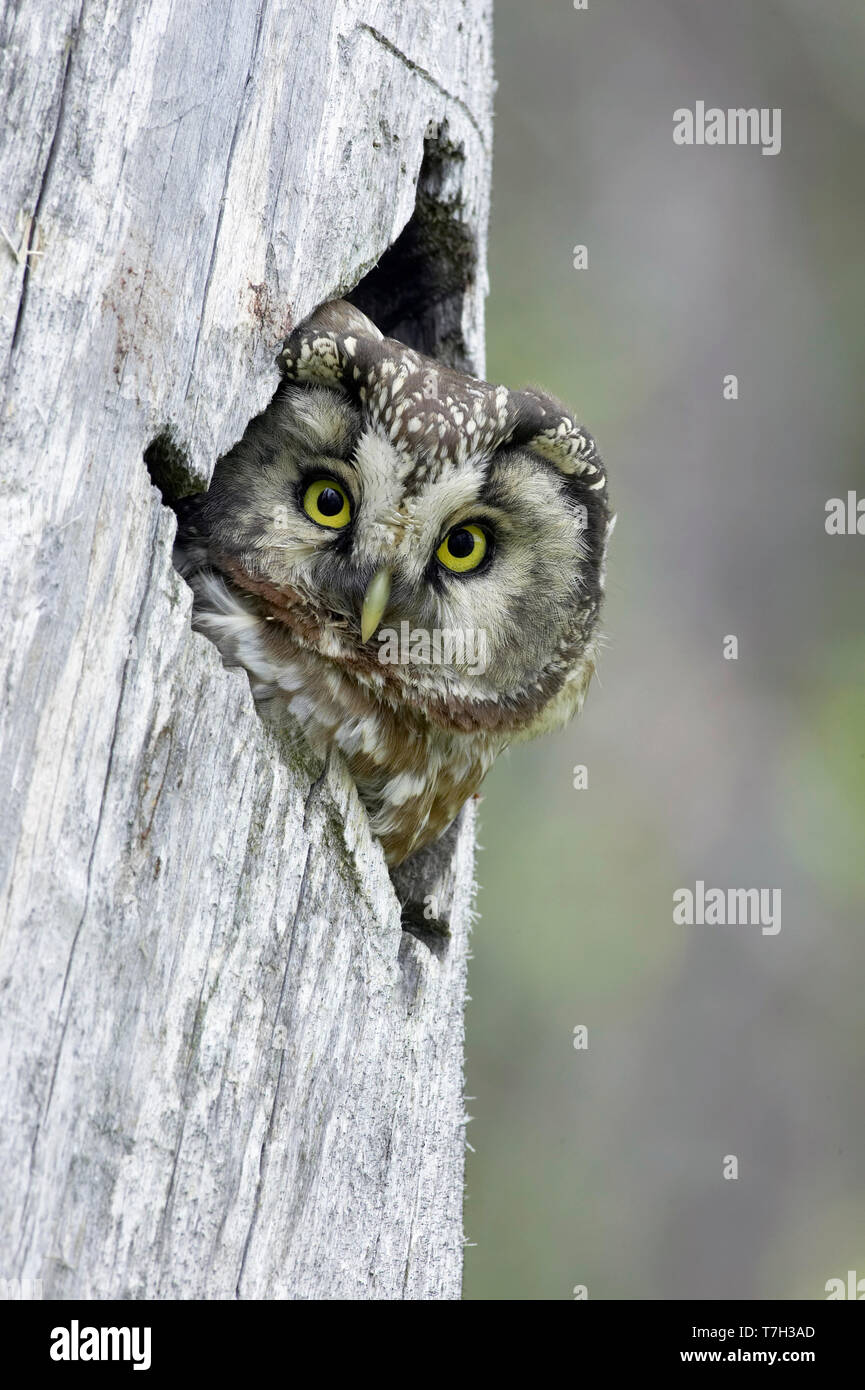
column 462, row 549
column 326, row 502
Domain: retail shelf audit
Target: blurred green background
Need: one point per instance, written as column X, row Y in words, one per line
column 603, row 1167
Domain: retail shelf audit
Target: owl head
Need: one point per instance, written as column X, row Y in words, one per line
column 439, row 538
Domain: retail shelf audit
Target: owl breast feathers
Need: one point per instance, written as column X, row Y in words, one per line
column 410, row 558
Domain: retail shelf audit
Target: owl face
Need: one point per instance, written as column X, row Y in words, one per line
column 438, row 538
column 409, row 559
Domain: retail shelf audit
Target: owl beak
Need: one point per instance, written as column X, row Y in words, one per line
column 374, row 603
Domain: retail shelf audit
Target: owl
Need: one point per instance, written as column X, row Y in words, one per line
column 409, row 559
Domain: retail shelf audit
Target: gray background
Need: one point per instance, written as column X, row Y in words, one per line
column 604, row 1167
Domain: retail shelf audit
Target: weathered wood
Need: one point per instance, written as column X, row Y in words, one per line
column 226, row 1071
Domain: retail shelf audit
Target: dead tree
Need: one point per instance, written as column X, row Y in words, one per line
column 225, row 1070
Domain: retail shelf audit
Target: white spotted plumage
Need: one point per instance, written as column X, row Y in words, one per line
column 420, row 452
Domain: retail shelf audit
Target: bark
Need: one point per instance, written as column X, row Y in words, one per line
column 226, row 1070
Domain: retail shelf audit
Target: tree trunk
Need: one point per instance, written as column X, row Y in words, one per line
column 226, row 1070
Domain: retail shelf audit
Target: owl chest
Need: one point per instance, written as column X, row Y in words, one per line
column 412, row 775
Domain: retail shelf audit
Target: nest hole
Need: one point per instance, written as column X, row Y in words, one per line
column 414, row 293
column 170, row 470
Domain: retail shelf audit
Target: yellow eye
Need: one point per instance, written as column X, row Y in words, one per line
column 462, row 549
column 326, row 502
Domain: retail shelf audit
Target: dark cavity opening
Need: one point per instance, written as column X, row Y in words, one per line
column 170, row 470
column 416, row 291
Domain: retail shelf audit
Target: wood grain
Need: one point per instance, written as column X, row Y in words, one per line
column 226, row 1071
